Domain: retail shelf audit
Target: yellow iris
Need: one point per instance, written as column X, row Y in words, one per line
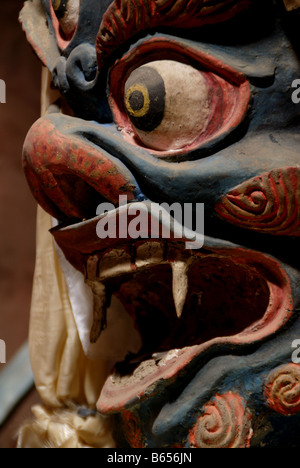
column 56, row 4
column 138, row 113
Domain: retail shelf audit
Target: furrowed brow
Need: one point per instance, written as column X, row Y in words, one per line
column 126, row 18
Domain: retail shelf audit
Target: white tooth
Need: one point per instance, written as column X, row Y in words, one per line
column 159, row 356
column 149, row 253
column 115, row 263
column 180, row 285
column 99, row 310
column 91, row 267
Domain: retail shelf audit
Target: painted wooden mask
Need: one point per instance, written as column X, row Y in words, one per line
column 187, row 102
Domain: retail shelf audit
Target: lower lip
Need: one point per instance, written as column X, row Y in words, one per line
column 117, row 394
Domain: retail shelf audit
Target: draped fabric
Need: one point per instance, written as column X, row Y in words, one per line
column 65, row 378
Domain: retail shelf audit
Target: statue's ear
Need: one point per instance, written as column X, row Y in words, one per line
column 36, row 23
column 291, row 5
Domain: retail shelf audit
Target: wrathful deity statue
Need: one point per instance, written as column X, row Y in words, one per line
column 141, row 341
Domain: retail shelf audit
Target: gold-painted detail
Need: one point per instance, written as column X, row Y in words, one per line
column 56, row 4
column 145, row 109
column 292, row 4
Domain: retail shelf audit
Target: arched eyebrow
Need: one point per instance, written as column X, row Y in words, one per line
column 126, row 18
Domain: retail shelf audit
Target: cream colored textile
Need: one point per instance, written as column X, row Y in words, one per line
column 62, row 371
column 65, row 378
column 64, row 429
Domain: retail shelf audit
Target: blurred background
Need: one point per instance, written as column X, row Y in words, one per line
column 21, row 70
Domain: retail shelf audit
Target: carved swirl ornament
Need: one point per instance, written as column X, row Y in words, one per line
column 282, row 390
column 224, row 423
column 268, row 203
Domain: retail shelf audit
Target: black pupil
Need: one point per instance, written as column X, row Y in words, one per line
column 61, row 10
column 146, row 110
column 136, row 101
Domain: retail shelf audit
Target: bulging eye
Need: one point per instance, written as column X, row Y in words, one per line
column 67, row 13
column 167, row 103
column 173, row 99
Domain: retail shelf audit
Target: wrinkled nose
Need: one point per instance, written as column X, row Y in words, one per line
column 70, row 176
column 78, row 71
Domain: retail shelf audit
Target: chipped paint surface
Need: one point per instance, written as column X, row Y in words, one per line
column 224, row 423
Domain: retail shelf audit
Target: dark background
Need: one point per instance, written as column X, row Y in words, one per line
column 21, row 71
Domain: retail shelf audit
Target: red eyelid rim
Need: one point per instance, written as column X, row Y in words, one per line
column 225, row 79
column 61, row 42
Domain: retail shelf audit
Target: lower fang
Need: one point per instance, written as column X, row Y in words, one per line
column 99, row 310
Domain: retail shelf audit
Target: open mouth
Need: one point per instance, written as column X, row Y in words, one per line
column 183, row 303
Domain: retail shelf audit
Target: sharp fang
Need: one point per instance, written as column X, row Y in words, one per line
column 180, row 285
column 99, row 310
column 159, row 356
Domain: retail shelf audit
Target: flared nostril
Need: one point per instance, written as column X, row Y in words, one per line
column 78, row 72
column 59, row 76
column 78, row 80
column 81, row 67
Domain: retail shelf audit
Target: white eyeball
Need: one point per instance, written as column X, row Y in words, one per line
column 167, row 103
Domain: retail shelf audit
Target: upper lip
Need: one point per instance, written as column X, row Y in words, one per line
column 86, row 251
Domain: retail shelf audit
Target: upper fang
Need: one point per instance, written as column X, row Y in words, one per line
column 180, row 285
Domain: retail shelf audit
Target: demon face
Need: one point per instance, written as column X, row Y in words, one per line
column 172, row 101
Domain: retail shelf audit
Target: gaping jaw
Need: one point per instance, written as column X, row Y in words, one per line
column 187, row 305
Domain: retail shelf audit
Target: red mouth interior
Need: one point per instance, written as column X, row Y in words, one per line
column 223, row 299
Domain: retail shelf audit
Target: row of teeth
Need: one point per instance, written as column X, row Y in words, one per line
column 117, row 263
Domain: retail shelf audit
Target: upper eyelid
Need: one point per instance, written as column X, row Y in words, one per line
column 258, row 69
column 208, row 57
column 255, row 67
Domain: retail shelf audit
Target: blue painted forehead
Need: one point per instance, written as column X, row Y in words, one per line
column 97, row 23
